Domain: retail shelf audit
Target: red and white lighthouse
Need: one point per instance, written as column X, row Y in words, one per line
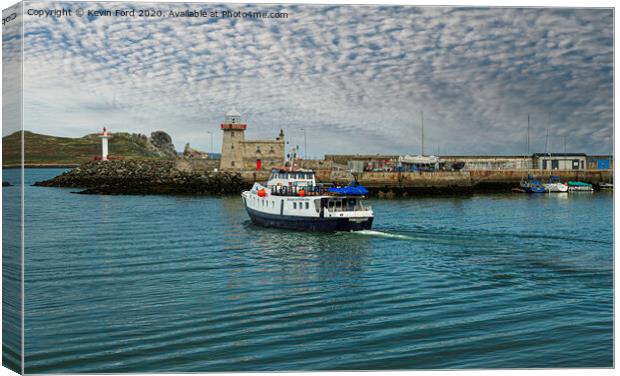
column 104, row 136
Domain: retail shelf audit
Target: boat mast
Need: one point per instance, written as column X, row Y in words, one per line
column 547, row 138
column 547, row 145
column 422, row 118
column 528, row 145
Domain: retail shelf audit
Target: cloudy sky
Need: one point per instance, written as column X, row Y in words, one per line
column 356, row 78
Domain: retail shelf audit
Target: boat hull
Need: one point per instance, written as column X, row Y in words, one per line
column 534, row 190
column 308, row 223
column 555, row 187
column 581, row 189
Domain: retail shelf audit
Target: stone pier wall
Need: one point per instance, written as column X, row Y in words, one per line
column 198, row 177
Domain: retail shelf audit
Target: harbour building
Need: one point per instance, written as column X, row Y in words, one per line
column 559, row 161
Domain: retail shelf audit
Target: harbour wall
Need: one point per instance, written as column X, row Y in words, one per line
column 441, row 182
column 198, row 177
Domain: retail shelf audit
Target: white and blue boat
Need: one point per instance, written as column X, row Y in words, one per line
column 531, row 185
column 291, row 199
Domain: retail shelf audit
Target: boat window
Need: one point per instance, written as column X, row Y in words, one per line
column 307, row 205
column 294, row 205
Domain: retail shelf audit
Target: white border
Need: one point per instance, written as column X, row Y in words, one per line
column 497, row 3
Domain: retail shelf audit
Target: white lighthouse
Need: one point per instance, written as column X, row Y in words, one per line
column 105, row 135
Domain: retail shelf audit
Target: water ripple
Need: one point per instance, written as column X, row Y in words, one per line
column 187, row 284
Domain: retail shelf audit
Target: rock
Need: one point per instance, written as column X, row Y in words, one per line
column 191, row 153
column 162, row 144
column 142, row 177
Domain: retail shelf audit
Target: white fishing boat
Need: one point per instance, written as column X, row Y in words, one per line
column 291, row 199
column 554, row 185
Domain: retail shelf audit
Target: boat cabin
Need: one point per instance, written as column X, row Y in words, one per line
column 286, row 181
column 342, row 204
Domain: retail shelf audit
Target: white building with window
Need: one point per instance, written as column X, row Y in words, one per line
column 559, row 161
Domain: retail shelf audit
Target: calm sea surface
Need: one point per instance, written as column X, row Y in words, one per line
column 156, row 283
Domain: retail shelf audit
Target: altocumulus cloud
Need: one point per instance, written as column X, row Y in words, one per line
column 356, row 78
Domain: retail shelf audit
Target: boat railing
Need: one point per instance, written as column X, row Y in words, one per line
column 315, row 190
column 358, row 207
column 349, row 210
column 281, row 190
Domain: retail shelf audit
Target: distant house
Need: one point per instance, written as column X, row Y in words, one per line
column 559, row 161
column 600, row 162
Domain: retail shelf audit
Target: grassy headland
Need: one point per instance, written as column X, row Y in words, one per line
column 44, row 150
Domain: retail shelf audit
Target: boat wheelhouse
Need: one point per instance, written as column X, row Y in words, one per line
column 292, row 199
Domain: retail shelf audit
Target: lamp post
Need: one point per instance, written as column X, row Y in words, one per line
column 211, row 135
column 305, row 144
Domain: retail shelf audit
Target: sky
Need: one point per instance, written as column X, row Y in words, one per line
column 354, row 79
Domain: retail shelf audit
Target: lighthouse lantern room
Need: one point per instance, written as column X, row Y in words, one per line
column 105, row 135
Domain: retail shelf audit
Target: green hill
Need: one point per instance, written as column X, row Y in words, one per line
column 42, row 149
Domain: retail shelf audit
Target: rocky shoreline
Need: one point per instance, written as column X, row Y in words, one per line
column 144, row 177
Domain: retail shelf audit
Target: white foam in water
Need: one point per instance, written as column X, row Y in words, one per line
column 382, row 234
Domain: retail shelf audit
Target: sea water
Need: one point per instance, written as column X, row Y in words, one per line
column 178, row 283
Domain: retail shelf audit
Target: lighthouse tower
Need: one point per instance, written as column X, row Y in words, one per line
column 232, row 144
column 104, row 136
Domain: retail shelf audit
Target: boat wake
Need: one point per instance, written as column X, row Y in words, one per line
column 382, row 234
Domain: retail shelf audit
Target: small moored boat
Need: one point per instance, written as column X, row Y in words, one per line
column 579, row 186
column 531, row 185
column 555, row 185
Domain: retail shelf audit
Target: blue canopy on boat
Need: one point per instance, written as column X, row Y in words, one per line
column 354, row 189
